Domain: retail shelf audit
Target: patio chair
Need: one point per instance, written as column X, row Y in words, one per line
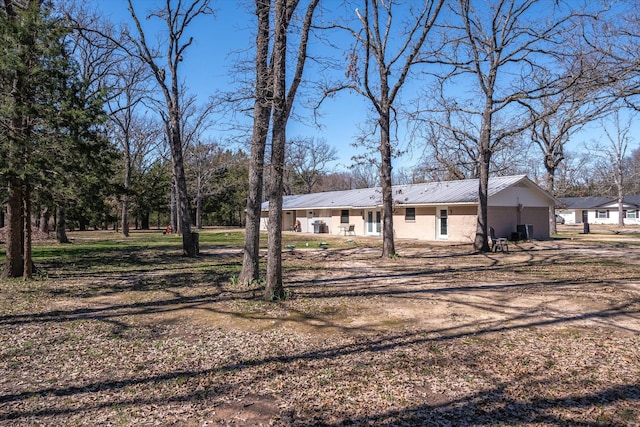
column 498, row 243
column 351, row 230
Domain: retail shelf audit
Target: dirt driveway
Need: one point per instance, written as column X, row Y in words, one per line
column 535, row 284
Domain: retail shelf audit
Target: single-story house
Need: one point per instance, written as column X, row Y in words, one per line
column 430, row 211
column 599, row 210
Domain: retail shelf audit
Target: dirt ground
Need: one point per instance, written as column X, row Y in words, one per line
column 546, row 334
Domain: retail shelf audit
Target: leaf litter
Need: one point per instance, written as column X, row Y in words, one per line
column 544, row 335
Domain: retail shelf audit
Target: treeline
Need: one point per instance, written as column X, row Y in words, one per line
column 99, row 129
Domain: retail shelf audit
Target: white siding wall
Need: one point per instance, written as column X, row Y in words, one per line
column 613, row 217
column 572, row 216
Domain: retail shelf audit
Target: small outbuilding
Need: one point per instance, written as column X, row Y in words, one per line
column 435, row 211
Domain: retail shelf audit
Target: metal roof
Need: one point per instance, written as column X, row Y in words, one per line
column 448, row 192
column 431, row 193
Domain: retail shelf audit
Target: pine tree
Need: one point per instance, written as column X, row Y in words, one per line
column 47, row 121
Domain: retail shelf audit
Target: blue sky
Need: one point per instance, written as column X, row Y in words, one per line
column 219, row 41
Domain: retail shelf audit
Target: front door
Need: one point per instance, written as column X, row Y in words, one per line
column 373, row 223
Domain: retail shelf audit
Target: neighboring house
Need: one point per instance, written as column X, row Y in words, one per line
column 430, row 211
column 599, row 210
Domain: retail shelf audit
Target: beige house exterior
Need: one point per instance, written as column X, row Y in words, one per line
column 439, row 211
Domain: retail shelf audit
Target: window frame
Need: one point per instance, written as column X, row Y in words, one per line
column 442, row 222
column 408, row 217
column 344, row 218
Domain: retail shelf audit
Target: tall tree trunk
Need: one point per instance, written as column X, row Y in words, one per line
column 144, row 220
column 45, row 217
column 173, row 222
column 177, row 19
column 620, row 189
column 125, row 216
column 125, row 197
column 61, row 225
column 274, row 289
column 551, row 184
column 26, row 252
column 14, row 265
column 620, row 209
column 188, row 247
column 481, row 242
column 388, row 243
column 261, row 114
column 199, row 204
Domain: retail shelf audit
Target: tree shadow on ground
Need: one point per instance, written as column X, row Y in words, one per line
column 488, row 407
column 491, row 407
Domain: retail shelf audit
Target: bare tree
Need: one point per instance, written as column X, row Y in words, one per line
column 95, row 44
column 177, row 17
column 408, row 175
column 272, row 101
column 365, row 175
column 451, row 155
column 261, row 114
column 307, row 160
column 195, row 122
column 130, row 80
column 204, row 165
column 556, row 121
column 634, row 168
column 274, row 288
column 379, row 65
column 138, row 137
column 282, row 103
column 617, row 38
column 108, row 68
column 614, row 155
column 573, row 175
column 337, row 181
column 558, row 117
column 493, row 50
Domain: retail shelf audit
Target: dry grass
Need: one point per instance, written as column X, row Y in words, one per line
column 133, row 334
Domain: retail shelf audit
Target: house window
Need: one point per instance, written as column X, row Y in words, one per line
column 603, row 214
column 444, row 225
column 344, row 216
column 632, row 214
column 410, row 214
